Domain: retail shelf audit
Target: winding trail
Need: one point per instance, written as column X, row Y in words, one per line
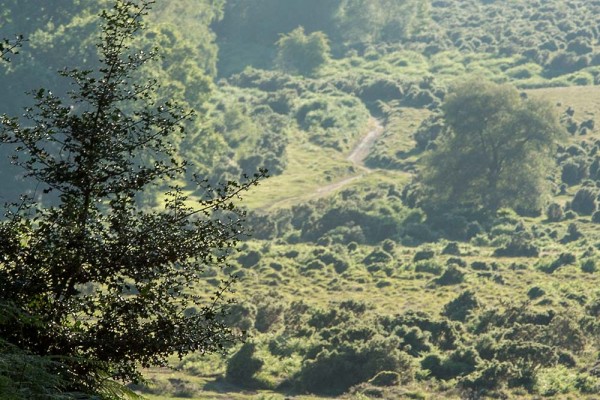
column 362, row 149
column 357, row 157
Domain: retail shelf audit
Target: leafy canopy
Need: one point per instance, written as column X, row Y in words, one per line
column 301, row 53
column 90, row 275
column 496, row 152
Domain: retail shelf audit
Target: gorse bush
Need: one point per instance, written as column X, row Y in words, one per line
column 584, row 202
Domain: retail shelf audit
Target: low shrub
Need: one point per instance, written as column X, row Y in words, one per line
column 249, row 259
column 243, row 365
column 518, row 246
column 335, row 370
column 268, row 315
column 456, row 261
column 589, row 266
column 584, row 202
column 451, row 249
column 562, row 260
column 460, row 308
column 535, row 292
column 460, row 362
column 573, row 234
column 429, row 266
column 554, row 212
column 377, row 257
column 423, row 255
column 480, row 266
column 451, row 276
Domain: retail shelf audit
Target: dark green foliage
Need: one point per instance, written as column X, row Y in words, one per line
column 519, row 246
column 95, row 272
column 456, row 261
column 482, row 162
column 429, row 131
column 241, row 316
column 423, row 255
column 490, row 375
column 243, row 365
column 584, row 202
column 573, row 171
column 430, row 267
column 535, row 292
column 565, row 62
column 562, row 260
column 414, row 340
column 573, row 234
column 442, row 333
column 460, row 308
column 378, row 257
column 554, row 212
column 480, row 266
column 340, row 264
column 593, row 307
column 9, row 47
column 333, row 371
column 388, row 245
column 527, row 356
column 452, row 249
column 315, row 265
column 24, row 376
column 451, row 276
column 250, row 259
column 589, row 265
column 268, row 315
column 460, row 362
column 301, row 53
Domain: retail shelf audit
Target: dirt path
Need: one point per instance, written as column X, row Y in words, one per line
column 361, row 151
column 357, row 157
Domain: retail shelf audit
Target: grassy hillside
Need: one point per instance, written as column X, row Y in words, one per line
column 347, row 289
column 285, row 269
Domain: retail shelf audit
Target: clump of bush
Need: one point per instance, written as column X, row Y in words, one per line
column 423, row 255
column 249, row 259
column 573, row 234
column 451, row 276
column 460, row 362
column 243, row 366
column 451, row 249
column 554, row 212
column 429, row 267
column 589, row 266
column 460, row 308
column 562, row 260
column 519, row 246
column 584, row 202
column 378, row 257
column 535, row 292
column 335, row 369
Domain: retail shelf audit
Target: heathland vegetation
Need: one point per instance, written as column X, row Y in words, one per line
column 429, row 228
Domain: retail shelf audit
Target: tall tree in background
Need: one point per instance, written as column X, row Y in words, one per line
column 368, row 21
column 497, row 151
column 94, row 280
column 302, row 54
